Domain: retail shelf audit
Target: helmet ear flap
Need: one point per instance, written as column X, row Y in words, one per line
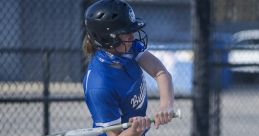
column 92, row 38
column 107, row 43
column 115, row 41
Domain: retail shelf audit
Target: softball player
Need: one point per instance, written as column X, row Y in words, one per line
column 114, row 86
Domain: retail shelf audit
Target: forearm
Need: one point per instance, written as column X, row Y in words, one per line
column 166, row 91
column 154, row 67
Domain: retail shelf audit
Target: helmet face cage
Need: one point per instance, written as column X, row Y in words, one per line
column 105, row 20
column 141, row 37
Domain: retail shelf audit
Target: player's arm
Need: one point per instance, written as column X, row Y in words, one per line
column 154, row 67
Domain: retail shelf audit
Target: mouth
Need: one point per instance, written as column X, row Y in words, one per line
column 129, row 42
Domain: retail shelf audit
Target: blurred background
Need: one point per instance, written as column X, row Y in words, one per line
column 42, row 65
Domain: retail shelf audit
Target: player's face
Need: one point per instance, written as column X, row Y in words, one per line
column 127, row 42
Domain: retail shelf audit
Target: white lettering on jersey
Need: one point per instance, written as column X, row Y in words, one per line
column 138, row 100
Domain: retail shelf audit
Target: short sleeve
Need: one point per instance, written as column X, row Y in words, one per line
column 104, row 107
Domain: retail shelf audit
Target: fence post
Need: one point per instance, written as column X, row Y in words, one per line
column 46, row 75
column 201, row 89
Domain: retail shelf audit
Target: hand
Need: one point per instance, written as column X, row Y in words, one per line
column 163, row 117
column 139, row 125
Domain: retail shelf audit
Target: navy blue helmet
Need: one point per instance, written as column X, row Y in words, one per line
column 106, row 19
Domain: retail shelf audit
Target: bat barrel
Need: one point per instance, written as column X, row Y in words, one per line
column 176, row 114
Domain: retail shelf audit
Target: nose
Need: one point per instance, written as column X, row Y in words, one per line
column 130, row 36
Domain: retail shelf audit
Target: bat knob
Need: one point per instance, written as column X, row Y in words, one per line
column 178, row 114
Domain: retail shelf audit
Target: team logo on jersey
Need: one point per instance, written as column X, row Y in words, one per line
column 137, row 101
column 132, row 16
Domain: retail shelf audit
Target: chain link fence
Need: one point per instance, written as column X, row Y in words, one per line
column 236, row 34
column 42, row 64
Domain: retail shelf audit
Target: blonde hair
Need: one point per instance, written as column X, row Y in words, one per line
column 88, row 48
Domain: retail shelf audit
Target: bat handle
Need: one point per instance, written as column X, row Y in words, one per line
column 176, row 114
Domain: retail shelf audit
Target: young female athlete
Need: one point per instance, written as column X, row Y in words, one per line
column 114, row 86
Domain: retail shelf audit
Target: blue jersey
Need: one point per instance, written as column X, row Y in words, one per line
column 113, row 95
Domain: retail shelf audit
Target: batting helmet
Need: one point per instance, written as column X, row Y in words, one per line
column 106, row 19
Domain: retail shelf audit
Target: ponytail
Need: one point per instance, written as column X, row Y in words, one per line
column 88, row 48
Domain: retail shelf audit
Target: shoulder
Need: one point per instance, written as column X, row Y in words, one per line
column 146, row 55
column 96, row 79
